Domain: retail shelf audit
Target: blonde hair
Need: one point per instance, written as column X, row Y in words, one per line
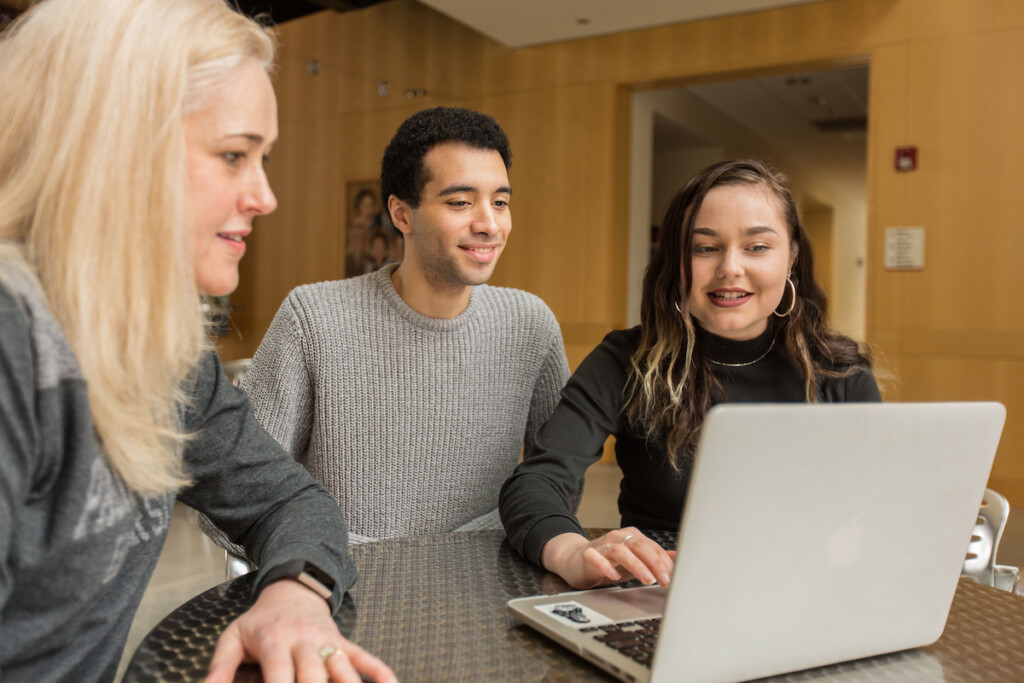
column 93, row 99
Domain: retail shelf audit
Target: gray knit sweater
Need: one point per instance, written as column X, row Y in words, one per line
column 412, row 423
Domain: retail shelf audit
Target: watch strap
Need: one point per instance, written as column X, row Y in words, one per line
column 310, row 581
column 306, row 573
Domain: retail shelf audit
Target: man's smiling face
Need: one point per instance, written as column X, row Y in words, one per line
column 463, row 219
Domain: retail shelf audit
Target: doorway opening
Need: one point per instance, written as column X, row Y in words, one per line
column 811, row 124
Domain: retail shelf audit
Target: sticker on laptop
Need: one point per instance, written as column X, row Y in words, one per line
column 572, row 613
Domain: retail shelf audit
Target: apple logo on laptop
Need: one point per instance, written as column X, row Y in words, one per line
column 844, row 546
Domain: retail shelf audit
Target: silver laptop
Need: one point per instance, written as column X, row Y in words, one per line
column 812, row 534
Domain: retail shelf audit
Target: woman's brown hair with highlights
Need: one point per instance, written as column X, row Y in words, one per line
column 671, row 385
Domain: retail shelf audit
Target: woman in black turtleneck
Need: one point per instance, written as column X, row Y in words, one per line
column 730, row 312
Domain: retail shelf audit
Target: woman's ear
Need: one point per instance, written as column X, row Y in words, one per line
column 794, row 250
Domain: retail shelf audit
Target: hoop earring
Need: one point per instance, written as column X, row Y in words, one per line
column 792, row 304
column 678, row 309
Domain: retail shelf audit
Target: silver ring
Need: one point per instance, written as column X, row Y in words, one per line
column 328, row 651
column 628, row 536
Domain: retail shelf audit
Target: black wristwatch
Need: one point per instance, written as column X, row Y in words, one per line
column 306, row 573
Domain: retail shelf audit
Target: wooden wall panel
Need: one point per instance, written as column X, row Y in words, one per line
column 966, row 191
column 561, row 244
column 944, row 18
column 945, row 76
column 817, row 31
column 402, row 43
column 952, row 330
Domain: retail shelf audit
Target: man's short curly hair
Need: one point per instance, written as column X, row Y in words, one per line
column 403, row 172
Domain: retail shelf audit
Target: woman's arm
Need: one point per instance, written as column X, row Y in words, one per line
column 861, row 387
column 278, row 385
column 250, row 487
column 857, row 387
column 253, row 490
column 18, row 431
column 536, row 502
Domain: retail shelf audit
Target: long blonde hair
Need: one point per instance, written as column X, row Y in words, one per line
column 93, row 99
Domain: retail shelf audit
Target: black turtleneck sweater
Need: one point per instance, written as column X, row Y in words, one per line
column 537, row 500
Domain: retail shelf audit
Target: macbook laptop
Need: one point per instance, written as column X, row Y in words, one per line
column 812, row 534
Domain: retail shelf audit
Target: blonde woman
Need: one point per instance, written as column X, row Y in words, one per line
column 131, row 167
column 730, row 311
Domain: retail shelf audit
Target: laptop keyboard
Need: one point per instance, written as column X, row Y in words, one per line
column 634, row 639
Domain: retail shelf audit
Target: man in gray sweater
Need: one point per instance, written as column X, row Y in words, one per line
column 410, row 392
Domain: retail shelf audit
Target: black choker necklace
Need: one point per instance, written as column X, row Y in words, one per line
column 749, row 362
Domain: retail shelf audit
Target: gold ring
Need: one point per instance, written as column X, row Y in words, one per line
column 628, row 536
column 328, row 651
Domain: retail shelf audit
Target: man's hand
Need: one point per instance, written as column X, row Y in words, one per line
column 289, row 632
column 617, row 556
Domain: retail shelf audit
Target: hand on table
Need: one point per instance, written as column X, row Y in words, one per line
column 617, row 556
column 290, row 633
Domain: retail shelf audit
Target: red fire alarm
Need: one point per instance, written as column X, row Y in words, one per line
column 906, row 158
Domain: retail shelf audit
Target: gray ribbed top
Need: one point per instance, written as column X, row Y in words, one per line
column 412, row 423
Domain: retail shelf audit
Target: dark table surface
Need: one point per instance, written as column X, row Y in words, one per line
column 434, row 608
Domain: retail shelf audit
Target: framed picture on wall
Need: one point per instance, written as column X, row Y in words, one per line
column 371, row 241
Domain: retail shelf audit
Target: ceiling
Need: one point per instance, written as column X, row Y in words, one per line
column 517, row 23
column 818, row 118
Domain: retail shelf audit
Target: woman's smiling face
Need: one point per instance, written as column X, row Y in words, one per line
column 741, row 254
column 226, row 142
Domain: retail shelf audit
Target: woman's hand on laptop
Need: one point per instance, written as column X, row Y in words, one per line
column 617, row 556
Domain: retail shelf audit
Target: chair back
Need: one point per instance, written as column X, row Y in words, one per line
column 236, row 369
column 980, row 562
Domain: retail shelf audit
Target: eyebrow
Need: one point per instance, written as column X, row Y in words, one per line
column 456, row 189
column 755, row 230
column 251, row 137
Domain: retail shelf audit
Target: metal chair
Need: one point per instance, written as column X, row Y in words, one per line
column 235, row 566
column 980, row 562
column 235, row 562
column 236, row 369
